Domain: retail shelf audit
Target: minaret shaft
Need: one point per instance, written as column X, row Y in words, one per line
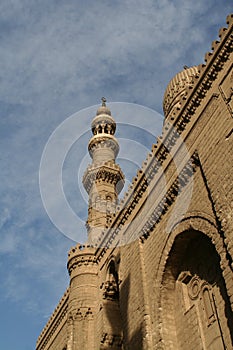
column 103, row 179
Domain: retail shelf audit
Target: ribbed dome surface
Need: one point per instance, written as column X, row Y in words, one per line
column 176, row 89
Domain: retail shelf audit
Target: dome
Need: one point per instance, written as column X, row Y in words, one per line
column 176, row 89
column 103, row 122
column 103, row 146
column 103, row 110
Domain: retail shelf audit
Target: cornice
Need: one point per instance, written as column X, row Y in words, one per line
column 108, row 172
column 169, row 198
column 57, row 318
column 162, row 207
column 81, row 255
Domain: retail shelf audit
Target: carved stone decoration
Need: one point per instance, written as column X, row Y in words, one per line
column 172, row 193
column 111, row 289
column 201, row 295
column 107, row 172
column 83, row 313
column 162, row 207
column 111, row 340
column 194, row 288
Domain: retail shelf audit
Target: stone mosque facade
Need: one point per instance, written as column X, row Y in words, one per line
column 157, row 269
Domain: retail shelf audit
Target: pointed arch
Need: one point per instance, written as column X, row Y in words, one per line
column 192, row 292
column 111, row 287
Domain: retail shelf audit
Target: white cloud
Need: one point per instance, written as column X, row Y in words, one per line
column 57, row 58
column 5, row 216
column 72, row 48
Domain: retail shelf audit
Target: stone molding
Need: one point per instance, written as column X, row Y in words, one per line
column 103, row 141
column 124, row 215
column 227, row 92
column 57, row 319
column 108, row 172
column 81, row 255
column 170, row 196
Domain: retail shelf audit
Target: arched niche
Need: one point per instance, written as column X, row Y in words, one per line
column 195, row 311
column 111, row 316
column 111, row 287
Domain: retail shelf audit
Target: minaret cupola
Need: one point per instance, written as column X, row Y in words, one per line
column 103, row 146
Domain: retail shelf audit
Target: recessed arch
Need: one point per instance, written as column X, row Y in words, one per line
column 111, row 285
column 195, row 309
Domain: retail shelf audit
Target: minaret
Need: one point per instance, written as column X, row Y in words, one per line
column 103, row 179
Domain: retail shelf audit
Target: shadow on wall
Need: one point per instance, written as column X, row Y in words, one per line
column 131, row 341
column 112, row 323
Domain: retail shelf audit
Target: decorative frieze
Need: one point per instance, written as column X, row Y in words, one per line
column 170, row 196
column 109, row 173
column 124, row 214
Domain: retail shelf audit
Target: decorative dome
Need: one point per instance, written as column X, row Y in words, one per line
column 103, row 122
column 103, row 146
column 103, row 109
column 177, row 88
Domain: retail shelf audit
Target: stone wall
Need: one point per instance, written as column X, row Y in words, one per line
column 162, row 276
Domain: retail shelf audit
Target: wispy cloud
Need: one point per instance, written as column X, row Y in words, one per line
column 57, row 58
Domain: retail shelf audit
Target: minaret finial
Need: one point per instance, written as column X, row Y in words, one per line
column 103, row 99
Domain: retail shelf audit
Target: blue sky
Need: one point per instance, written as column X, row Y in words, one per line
column 57, row 58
